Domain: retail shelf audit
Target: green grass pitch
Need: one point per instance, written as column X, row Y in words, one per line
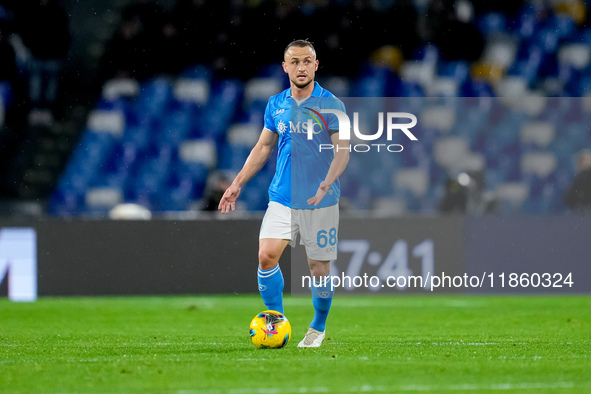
column 201, row 345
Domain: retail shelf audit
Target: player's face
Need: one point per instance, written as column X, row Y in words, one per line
column 301, row 65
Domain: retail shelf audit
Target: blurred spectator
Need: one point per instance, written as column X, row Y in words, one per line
column 8, row 69
column 397, row 26
column 197, row 23
column 465, row 194
column 145, row 43
column 507, row 7
column 269, row 25
column 127, row 54
column 455, row 199
column 8, row 78
column 150, row 14
column 576, row 9
column 453, row 32
column 44, row 31
column 7, row 13
column 232, row 54
column 170, row 56
column 578, row 195
column 342, row 36
column 215, row 191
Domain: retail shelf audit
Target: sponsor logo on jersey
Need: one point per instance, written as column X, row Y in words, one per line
column 281, row 127
column 317, row 117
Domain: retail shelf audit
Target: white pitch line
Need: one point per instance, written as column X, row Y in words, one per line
column 400, row 303
column 407, row 388
column 261, row 390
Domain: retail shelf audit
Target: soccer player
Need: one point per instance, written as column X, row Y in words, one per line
column 305, row 191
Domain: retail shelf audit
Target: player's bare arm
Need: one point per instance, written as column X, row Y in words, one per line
column 256, row 160
column 337, row 166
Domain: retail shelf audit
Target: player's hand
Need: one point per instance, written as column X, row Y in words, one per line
column 320, row 193
column 228, row 201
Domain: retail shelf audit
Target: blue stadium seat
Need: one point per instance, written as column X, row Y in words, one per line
column 176, row 199
column 428, row 53
column 126, row 105
column 546, row 194
column 140, row 136
column 458, row 70
column 527, row 22
column 362, row 199
column 233, row 157
column 376, row 81
column 585, row 84
column 272, row 70
column 255, row 195
column 122, row 164
column 506, row 167
column 197, row 71
column 369, row 87
column 547, row 39
column 65, row 202
column 151, row 175
column 196, row 172
column 89, row 158
column 411, row 89
column 407, row 158
column 176, row 125
column 155, row 96
column 144, row 160
column 222, row 106
column 491, row 23
column 349, row 184
column 185, row 185
column 581, row 36
column 562, row 24
column 493, row 178
column 5, row 94
column 437, row 175
column 476, row 88
column 574, row 80
column 412, row 203
column 379, row 180
column 527, row 69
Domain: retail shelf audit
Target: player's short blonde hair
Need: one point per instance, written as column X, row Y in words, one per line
column 299, row 44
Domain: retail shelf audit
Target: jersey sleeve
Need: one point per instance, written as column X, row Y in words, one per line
column 333, row 121
column 269, row 122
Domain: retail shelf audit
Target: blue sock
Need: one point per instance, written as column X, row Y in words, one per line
column 322, row 293
column 271, row 288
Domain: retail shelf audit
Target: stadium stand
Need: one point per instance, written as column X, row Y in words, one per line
column 512, row 120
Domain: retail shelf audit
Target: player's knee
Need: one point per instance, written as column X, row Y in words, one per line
column 267, row 259
column 320, row 269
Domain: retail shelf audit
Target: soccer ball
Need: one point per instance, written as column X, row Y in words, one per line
column 270, row 330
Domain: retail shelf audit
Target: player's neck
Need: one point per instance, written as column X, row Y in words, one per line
column 302, row 92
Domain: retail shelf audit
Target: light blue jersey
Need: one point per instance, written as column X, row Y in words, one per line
column 301, row 165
